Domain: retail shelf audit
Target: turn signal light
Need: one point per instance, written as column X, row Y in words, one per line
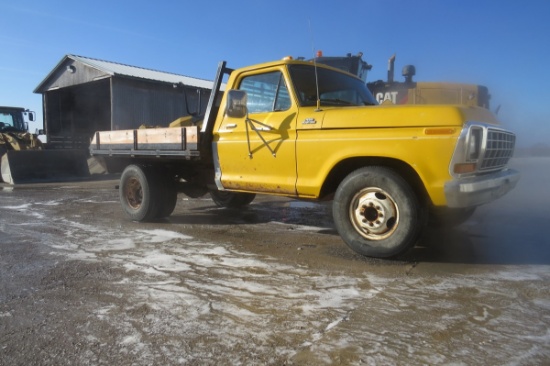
column 464, row 168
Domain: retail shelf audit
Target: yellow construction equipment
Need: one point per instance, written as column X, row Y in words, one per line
column 23, row 158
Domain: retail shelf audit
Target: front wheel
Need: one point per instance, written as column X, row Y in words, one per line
column 377, row 213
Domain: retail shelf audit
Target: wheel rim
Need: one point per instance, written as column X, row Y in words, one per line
column 133, row 193
column 374, row 213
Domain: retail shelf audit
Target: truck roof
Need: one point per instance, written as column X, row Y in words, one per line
column 288, row 61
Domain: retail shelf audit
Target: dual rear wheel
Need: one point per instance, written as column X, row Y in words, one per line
column 148, row 193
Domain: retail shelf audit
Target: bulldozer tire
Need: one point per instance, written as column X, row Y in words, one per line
column 140, row 193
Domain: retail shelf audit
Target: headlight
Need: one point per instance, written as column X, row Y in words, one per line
column 469, row 149
column 474, row 144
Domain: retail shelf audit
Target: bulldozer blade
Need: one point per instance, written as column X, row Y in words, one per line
column 28, row 166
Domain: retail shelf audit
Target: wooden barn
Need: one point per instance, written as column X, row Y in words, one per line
column 82, row 95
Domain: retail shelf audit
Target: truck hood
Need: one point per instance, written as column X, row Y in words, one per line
column 404, row 116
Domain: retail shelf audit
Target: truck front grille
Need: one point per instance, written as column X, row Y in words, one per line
column 499, row 149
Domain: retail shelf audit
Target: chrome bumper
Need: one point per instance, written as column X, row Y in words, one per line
column 475, row 191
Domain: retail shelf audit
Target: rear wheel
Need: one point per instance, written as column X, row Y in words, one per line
column 169, row 198
column 377, row 213
column 231, row 199
column 139, row 192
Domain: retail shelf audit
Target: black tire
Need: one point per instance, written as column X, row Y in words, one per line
column 140, row 193
column 377, row 213
column 231, row 199
column 169, row 198
column 449, row 217
column 3, row 150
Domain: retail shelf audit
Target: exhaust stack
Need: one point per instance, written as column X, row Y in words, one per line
column 391, row 67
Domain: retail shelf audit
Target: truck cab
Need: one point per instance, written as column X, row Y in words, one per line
column 271, row 148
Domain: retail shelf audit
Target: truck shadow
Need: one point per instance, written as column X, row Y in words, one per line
column 290, row 212
column 471, row 243
column 460, row 245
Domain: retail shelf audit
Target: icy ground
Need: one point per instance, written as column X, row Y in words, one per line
column 184, row 291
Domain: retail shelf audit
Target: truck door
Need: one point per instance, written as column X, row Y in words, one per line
column 258, row 153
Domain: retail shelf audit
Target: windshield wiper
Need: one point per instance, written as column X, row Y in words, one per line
column 336, row 101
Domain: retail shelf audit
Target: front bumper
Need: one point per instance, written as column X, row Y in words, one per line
column 475, row 191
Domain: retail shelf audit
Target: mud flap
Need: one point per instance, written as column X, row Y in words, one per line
column 28, row 166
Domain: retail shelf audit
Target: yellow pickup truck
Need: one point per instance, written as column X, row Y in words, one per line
column 309, row 131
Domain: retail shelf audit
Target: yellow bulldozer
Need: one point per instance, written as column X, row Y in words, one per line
column 409, row 91
column 23, row 157
column 14, row 130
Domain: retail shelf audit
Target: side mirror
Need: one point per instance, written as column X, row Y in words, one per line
column 31, row 115
column 236, row 104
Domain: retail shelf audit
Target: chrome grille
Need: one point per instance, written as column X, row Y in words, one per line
column 499, row 148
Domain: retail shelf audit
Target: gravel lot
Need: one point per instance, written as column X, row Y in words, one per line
column 269, row 285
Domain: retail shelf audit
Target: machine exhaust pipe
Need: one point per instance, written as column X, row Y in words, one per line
column 391, row 67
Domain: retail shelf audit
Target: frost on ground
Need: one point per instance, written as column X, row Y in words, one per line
column 178, row 299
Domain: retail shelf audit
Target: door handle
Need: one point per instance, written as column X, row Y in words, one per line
column 266, row 128
column 231, row 125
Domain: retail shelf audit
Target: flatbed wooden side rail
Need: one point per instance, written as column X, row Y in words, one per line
column 169, row 141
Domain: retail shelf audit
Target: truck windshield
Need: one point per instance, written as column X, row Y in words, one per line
column 335, row 88
column 11, row 120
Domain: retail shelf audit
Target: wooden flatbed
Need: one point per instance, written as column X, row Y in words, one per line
column 168, row 141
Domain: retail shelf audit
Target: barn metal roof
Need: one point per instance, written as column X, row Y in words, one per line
column 118, row 69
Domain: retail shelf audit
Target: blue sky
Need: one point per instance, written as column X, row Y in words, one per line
column 504, row 45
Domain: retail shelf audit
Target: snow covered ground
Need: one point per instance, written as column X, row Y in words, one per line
column 178, row 294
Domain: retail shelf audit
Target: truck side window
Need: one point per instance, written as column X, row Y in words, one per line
column 266, row 92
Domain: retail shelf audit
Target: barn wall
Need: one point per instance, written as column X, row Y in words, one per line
column 137, row 103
